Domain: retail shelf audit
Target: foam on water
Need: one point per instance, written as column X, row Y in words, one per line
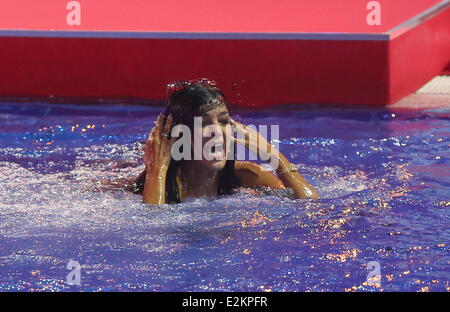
column 383, row 179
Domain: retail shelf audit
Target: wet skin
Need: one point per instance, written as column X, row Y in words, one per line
column 200, row 177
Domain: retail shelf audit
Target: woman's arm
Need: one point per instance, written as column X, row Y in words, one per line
column 157, row 159
column 286, row 172
column 154, row 188
column 292, row 178
column 251, row 174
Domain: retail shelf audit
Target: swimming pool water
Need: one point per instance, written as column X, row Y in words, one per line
column 384, row 178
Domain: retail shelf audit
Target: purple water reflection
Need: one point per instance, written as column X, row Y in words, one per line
column 384, row 179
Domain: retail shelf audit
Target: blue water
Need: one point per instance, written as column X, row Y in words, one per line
column 384, row 178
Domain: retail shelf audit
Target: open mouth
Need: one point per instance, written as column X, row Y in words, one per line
column 216, row 152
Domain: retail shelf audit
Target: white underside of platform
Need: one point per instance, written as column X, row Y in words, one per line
column 439, row 85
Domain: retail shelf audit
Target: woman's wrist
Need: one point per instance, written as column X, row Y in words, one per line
column 286, row 168
column 283, row 163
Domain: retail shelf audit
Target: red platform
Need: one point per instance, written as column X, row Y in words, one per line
column 261, row 52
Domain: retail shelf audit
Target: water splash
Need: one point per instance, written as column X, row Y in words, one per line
column 384, row 198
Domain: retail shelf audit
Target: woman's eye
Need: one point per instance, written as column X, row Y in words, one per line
column 225, row 121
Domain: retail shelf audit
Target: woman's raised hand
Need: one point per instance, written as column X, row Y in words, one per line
column 288, row 173
column 157, row 154
column 253, row 140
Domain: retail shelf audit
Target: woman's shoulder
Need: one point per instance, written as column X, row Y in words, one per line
column 251, row 174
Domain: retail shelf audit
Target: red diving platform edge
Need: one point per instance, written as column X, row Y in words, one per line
column 253, row 69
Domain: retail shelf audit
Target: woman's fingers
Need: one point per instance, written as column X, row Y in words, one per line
column 237, row 125
column 149, row 148
column 157, row 149
column 240, row 126
column 241, row 129
column 158, row 127
column 252, row 140
column 154, row 132
column 151, row 136
column 240, row 141
column 167, row 127
column 250, row 135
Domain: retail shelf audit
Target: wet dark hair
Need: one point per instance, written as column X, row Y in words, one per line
column 184, row 103
column 192, row 99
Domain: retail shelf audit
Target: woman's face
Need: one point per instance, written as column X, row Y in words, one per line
column 212, row 133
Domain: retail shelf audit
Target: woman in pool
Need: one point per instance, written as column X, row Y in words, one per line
column 167, row 180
